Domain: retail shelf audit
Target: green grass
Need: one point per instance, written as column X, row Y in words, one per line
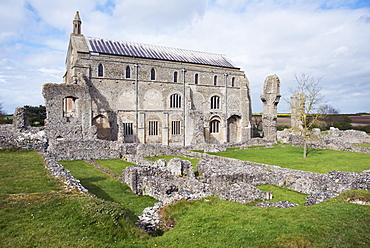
column 320, row 161
column 29, row 176
column 365, row 145
column 48, row 217
column 217, row 223
column 36, row 212
column 260, row 146
column 281, row 194
column 110, row 189
column 114, row 165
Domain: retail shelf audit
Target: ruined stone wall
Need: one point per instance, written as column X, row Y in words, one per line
column 224, row 171
column 334, row 139
column 21, row 135
column 270, row 98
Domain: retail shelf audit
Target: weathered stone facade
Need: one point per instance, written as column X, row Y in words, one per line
column 270, row 98
column 144, row 100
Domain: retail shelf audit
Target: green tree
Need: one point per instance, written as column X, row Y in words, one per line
column 36, row 115
column 344, row 123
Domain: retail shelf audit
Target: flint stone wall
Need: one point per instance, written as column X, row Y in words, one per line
column 163, row 182
column 235, row 171
column 72, row 149
column 33, row 138
column 333, row 139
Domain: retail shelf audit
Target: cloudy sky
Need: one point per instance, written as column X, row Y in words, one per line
column 328, row 39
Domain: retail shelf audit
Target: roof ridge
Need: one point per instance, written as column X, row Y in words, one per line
column 146, row 44
column 135, row 49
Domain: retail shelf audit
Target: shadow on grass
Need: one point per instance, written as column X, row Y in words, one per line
column 95, row 189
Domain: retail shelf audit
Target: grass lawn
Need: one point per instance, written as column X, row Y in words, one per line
column 36, row 212
column 365, row 145
column 29, row 175
column 107, row 188
column 45, row 216
column 318, row 160
column 114, row 165
column 280, row 194
column 217, row 223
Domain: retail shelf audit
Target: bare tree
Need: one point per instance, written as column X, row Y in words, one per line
column 307, row 106
column 2, row 114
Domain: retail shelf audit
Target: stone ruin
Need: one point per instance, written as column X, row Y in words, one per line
column 229, row 179
column 333, row 139
column 270, row 99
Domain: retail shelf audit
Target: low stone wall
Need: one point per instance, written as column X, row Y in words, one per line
column 221, row 171
column 33, row 138
column 333, row 139
column 69, row 182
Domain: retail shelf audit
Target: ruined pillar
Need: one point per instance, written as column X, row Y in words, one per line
column 20, row 122
column 297, row 109
column 270, row 99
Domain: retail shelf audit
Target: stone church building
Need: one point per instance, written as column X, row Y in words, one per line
column 138, row 93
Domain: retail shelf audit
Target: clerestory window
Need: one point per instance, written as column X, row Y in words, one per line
column 100, row 70
column 152, row 74
column 128, row 72
column 175, row 77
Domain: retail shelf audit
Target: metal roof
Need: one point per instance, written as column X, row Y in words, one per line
column 132, row 49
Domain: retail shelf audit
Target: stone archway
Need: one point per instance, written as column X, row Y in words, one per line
column 103, row 127
column 233, row 127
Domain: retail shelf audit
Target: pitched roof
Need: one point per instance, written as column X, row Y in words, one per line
column 132, row 49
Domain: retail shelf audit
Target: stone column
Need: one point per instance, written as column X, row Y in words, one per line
column 20, row 122
column 270, row 98
column 297, row 108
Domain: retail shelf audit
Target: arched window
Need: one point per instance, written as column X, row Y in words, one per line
column 215, row 80
column 215, row 102
column 128, row 72
column 100, row 70
column 175, row 77
column 233, row 82
column 175, row 101
column 196, row 78
column 152, row 74
column 214, row 126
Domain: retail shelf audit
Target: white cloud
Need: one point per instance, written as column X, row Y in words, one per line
column 325, row 38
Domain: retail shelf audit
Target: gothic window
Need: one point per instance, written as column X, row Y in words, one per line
column 233, row 82
column 175, row 77
column 215, row 80
column 128, row 72
column 215, row 102
column 127, row 127
column 175, row 127
column 153, row 127
column 196, row 78
column 214, row 126
column 175, row 101
column 100, row 70
column 152, row 74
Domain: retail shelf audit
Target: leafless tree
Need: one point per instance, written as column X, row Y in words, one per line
column 309, row 111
